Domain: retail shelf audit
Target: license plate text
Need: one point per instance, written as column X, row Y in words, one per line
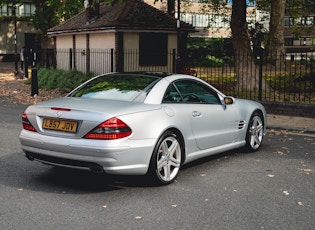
column 60, row 125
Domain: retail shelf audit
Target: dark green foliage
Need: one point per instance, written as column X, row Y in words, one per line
column 51, row 12
column 62, row 80
column 210, row 52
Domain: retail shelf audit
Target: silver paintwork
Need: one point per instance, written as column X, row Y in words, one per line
column 206, row 128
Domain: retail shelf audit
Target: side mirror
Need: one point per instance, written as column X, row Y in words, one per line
column 229, row 100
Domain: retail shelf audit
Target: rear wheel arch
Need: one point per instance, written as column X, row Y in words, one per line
column 166, row 161
column 180, row 136
column 181, row 139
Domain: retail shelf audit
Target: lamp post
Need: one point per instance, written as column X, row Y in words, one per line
column 178, row 61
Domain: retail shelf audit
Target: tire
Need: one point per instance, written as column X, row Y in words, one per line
column 255, row 132
column 166, row 159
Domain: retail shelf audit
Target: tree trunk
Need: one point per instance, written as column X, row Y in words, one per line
column 275, row 42
column 247, row 73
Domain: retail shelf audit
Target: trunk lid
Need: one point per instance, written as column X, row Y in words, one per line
column 75, row 117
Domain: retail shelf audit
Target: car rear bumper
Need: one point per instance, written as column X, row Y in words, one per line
column 125, row 157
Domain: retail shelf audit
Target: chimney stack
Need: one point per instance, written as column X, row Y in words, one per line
column 87, row 11
column 97, row 8
column 92, row 9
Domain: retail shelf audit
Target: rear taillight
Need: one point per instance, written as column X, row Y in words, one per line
column 111, row 129
column 27, row 124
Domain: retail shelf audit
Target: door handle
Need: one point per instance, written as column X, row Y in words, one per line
column 196, row 114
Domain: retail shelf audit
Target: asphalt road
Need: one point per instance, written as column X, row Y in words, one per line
column 270, row 189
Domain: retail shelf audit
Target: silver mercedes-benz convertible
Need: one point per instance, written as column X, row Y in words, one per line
column 140, row 124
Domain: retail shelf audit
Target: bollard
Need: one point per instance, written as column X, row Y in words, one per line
column 34, row 82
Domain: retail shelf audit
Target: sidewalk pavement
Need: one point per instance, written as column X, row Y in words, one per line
column 290, row 123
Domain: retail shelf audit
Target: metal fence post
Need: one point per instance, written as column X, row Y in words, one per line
column 70, row 58
column 174, row 61
column 112, row 60
column 26, row 66
column 260, row 76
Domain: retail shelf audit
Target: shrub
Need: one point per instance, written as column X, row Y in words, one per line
column 209, row 52
column 63, row 80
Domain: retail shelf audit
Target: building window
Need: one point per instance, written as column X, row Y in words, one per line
column 27, row 9
column 4, row 10
column 307, row 21
column 303, row 41
column 206, row 20
column 288, row 41
column 152, row 49
column 219, row 21
column 23, row 9
column 287, row 22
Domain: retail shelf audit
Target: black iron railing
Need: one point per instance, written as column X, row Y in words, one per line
column 291, row 80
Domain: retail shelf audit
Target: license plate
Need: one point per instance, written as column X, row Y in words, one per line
column 60, row 125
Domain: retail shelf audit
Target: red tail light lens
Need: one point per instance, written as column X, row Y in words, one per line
column 111, row 129
column 27, row 124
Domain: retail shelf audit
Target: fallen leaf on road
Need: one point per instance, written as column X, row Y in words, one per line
column 287, row 149
column 104, row 206
column 279, row 152
column 286, row 193
column 138, row 217
column 300, row 203
column 307, row 170
column 308, row 139
column 174, row 205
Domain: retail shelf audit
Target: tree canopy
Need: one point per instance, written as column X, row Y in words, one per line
column 51, row 12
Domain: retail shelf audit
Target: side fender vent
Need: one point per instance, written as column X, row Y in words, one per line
column 241, row 125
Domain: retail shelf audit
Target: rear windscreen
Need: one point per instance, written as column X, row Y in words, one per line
column 126, row 87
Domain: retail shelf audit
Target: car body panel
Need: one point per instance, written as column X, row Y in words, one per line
column 205, row 129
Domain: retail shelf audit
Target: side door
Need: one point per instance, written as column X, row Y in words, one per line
column 213, row 124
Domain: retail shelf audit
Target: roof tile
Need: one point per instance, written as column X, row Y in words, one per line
column 127, row 15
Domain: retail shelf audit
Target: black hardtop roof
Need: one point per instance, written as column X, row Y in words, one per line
column 148, row 73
